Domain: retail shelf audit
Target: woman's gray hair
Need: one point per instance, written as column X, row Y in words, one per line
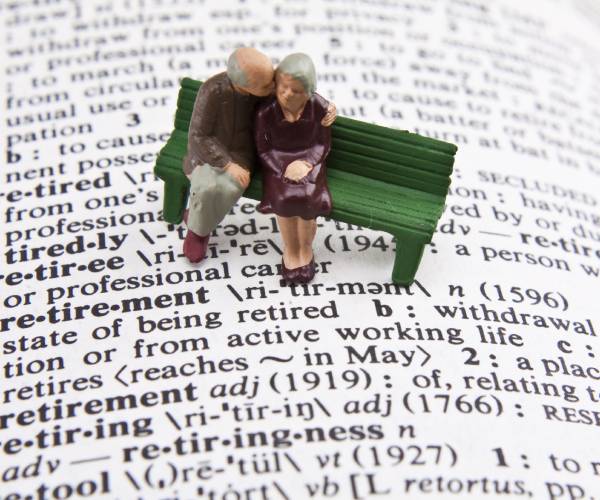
column 300, row 67
column 234, row 71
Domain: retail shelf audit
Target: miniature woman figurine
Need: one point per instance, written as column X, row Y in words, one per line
column 292, row 145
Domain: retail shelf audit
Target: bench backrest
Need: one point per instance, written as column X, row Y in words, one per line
column 394, row 156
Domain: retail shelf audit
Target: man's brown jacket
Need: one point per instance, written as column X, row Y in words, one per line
column 221, row 126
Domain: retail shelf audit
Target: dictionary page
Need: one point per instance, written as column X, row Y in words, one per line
column 127, row 372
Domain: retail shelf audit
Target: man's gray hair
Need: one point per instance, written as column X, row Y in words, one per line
column 300, row 67
column 234, row 71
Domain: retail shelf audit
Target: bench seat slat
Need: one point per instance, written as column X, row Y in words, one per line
column 348, row 197
column 403, row 199
column 383, row 211
column 358, row 165
column 366, row 216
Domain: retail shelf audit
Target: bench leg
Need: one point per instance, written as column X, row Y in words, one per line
column 409, row 251
column 175, row 200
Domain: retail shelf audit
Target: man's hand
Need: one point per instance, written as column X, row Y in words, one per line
column 297, row 170
column 239, row 173
column 329, row 117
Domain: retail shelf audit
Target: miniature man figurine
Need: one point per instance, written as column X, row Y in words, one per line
column 221, row 153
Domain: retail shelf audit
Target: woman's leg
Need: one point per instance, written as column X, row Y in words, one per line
column 291, row 244
column 307, row 229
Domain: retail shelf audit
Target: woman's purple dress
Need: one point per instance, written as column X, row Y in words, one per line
column 278, row 143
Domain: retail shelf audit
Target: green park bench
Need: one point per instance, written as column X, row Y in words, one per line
column 380, row 178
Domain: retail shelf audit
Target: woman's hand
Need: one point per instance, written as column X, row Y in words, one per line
column 297, row 170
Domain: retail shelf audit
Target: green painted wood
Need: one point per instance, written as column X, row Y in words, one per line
column 435, row 161
column 377, row 169
column 190, row 83
column 409, row 251
column 380, row 178
column 401, row 135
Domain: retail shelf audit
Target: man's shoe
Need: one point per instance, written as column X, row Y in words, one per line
column 195, row 246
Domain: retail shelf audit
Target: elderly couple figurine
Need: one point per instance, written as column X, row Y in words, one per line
column 236, row 115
